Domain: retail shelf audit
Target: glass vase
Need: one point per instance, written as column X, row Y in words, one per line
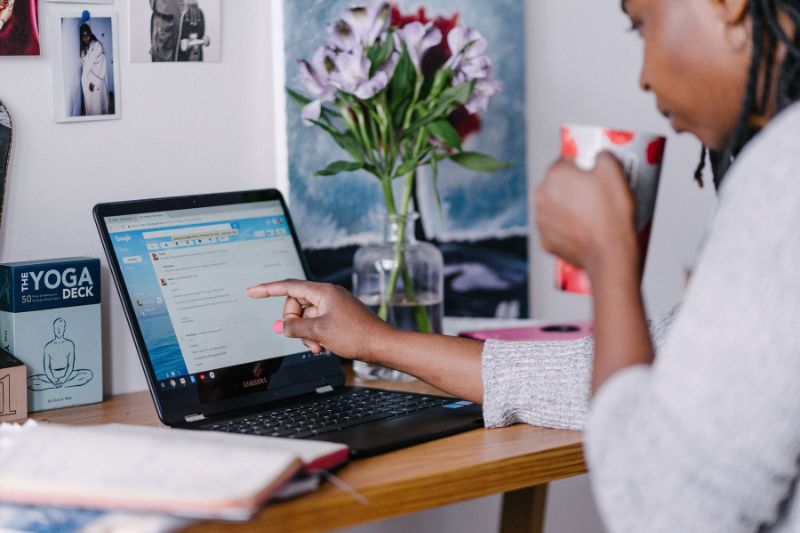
column 401, row 280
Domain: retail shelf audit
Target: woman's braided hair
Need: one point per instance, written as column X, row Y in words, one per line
column 767, row 34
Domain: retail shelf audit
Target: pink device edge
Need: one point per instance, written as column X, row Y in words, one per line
column 553, row 331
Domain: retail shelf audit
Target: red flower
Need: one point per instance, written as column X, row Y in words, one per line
column 463, row 121
column 399, row 20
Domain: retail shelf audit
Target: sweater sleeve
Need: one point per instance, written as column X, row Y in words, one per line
column 544, row 383
column 708, row 437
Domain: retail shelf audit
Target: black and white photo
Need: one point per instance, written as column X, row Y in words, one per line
column 175, row 30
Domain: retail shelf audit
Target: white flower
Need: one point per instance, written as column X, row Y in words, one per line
column 342, row 36
column 466, row 45
column 469, row 62
column 473, row 69
column 362, row 24
column 484, row 90
column 351, row 74
column 418, row 38
column 316, row 79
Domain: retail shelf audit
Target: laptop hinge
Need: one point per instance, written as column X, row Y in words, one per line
column 195, row 417
column 323, row 390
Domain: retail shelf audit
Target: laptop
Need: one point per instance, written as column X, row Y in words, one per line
column 212, row 361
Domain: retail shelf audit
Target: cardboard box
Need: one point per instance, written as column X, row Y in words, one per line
column 50, row 320
column 13, row 396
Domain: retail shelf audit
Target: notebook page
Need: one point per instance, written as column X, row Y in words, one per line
column 141, row 466
column 309, row 451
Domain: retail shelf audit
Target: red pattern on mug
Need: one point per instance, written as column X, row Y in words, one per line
column 569, row 148
column 619, row 137
column 655, row 151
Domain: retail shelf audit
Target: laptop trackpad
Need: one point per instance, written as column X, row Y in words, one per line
column 399, row 432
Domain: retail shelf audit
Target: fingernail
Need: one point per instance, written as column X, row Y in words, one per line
column 277, row 326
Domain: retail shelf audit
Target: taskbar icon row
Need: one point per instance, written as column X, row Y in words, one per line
column 185, row 381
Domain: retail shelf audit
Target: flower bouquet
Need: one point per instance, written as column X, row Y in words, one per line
column 397, row 93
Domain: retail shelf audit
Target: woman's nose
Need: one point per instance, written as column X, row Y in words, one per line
column 643, row 83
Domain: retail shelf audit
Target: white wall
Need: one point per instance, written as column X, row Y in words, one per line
column 201, row 128
column 184, row 129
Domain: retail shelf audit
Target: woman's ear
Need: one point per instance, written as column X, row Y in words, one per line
column 733, row 16
column 733, row 11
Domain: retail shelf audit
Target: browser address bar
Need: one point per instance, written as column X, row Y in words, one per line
column 197, row 232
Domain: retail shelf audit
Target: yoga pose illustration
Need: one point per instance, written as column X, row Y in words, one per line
column 59, row 363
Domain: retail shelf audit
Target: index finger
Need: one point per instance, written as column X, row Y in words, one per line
column 306, row 292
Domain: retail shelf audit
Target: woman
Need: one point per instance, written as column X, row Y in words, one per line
column 707, row 436
column 94, row 69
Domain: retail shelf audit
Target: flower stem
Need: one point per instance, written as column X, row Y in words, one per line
column 399, row 267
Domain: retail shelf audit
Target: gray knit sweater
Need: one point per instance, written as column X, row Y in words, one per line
column 708, row 437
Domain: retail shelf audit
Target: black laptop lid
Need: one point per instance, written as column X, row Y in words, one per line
column 181, row 266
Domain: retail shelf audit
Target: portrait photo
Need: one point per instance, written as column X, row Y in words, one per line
column 19, row 28
column 175, row 30
column 86, row 78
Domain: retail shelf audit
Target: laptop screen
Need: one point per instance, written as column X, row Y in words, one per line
column 185, row 272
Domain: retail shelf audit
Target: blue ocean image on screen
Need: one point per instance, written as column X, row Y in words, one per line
column 162, row 345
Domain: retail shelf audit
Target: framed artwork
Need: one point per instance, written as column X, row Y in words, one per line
column 5, row 152
column 86, row 70
column 175, row 30
column 482, row 226
column 19, row 28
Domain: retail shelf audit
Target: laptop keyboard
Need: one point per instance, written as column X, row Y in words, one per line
column 333, row 413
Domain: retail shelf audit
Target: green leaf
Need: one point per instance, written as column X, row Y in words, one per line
column 445, row 132
column 406, row 167
column 478, row 162
column 430, row 116
column 340, row 166
column 399, row 112
column 402, row 85
column 379, row 53
column 459, row 94
column 435, row 175
column 297, row 97
column 343, row 139
column 350, row 145
column 446, row 103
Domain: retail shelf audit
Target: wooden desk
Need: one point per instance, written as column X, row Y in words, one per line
column 518, row 461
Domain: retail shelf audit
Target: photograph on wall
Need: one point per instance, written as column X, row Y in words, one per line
column 19, row 28
column 175, row 30
column 86, row 72
column 477, row 219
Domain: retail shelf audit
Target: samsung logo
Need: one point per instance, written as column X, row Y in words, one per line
column 253, row 382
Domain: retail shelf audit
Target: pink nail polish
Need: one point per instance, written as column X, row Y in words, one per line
column 277, row 326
